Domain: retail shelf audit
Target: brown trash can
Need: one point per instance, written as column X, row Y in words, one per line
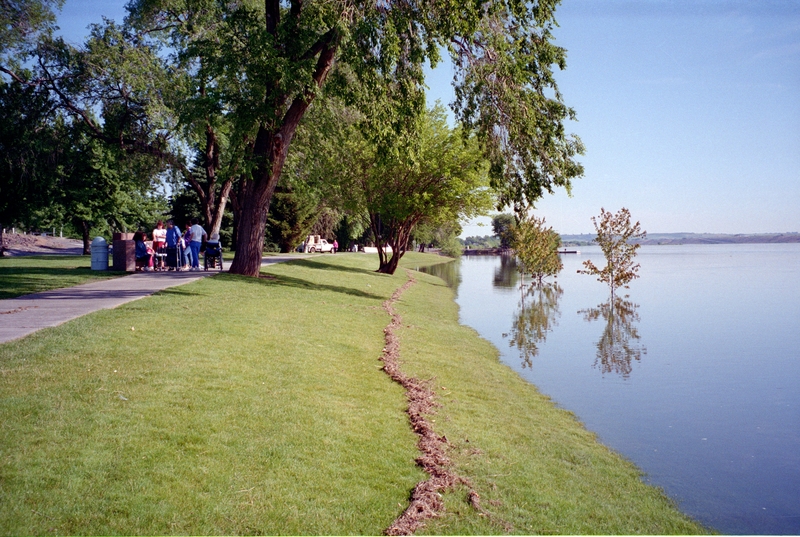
column 124, row 252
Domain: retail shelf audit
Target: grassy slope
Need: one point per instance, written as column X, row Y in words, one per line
column 32, row 274
column 257, row 406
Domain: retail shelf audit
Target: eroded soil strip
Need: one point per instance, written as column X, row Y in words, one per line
column 426, row 499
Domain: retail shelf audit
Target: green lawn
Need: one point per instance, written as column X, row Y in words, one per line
column 24, row 275
column 236, row 405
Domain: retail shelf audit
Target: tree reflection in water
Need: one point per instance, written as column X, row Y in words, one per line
column 506, row 275
column 619, row 345
column 536, row 316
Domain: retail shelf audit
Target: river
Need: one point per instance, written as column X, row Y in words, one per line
column 694, row 376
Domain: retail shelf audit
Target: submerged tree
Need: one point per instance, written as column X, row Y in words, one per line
column 536, row 248
column 615, row 234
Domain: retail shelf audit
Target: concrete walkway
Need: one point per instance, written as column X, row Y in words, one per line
column 26, row 314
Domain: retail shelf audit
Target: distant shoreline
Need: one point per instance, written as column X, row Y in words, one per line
column 694, row 238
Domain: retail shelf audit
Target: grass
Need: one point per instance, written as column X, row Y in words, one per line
column 32, row 274
column 236, row 406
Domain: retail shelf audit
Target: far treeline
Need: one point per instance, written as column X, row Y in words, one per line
column 694, row 238
column 272, row 120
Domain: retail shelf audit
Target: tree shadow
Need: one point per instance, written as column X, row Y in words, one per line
column 537, row 315
column 618, row 346
column 306, row 285
column 321, row 265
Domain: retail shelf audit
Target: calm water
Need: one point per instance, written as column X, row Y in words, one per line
column 695, row 376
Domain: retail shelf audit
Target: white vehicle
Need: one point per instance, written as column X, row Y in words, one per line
column 315, row 244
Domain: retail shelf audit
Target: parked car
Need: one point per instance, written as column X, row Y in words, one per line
column 315, row 244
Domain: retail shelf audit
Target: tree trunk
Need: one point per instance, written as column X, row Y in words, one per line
column 269, row 151
column 87, row 245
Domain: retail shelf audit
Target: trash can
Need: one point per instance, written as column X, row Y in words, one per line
column 99, row 254
column 124, row 252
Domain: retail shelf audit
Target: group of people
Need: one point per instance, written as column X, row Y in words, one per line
column 171, row 248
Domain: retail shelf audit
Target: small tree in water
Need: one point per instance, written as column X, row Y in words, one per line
column 536, row 247
column 614, row 233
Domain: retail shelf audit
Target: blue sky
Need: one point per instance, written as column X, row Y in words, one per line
column 689, row 110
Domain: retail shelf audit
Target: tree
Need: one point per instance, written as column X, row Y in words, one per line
column 536, row 248
column 614, row 235
column 437, row 177
column 503, row 228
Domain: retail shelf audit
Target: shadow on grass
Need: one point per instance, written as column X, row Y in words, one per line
column 299, row 283
column 321, row 265
column 17, row 281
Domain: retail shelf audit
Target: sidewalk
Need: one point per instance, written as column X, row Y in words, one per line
column 26, row 314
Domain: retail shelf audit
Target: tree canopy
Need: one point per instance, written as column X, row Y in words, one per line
column 615, row 235
column 231, row 82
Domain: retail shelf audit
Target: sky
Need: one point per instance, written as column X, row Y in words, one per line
column 689, row 111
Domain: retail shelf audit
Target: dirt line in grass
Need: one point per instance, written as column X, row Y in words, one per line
column 426, row 499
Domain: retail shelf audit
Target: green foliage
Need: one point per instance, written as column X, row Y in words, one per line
column 614, row 235
column 291, row 217
column 507, row 93
column 487, row 241
column 441, row 179
column 536, row 248
column 503, row 226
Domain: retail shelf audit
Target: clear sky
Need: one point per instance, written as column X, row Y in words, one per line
column 689, row 110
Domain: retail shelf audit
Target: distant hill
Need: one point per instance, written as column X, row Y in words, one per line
column 694, row 238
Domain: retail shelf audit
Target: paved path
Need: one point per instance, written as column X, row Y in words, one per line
column 26, row 314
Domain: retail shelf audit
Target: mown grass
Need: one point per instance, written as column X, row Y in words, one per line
column 32, row 274
column 238, row 406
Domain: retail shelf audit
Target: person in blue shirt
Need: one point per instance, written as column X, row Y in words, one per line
column 173, row 246
column 144, row 255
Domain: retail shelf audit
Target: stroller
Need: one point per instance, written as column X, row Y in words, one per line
column 212, row 257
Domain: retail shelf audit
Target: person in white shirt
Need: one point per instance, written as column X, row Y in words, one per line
column 198, row 236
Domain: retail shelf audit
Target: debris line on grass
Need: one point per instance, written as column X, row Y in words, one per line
column 426, row 499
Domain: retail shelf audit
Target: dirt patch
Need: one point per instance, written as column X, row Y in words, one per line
column 16, row 244
column 426, row 500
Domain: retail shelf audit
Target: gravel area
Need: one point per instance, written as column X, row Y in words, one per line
column 16, row 244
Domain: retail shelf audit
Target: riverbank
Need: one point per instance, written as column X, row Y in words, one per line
column 235, row 405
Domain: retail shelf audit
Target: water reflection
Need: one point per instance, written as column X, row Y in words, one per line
column 619, row 345
column 506, row 275
column 449, row 272
column 536, row 316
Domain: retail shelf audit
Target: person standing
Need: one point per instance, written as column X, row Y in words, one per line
column 335, row 245
column 159, row 243
column 186, row 241
column 198, row 236
column 173, row 238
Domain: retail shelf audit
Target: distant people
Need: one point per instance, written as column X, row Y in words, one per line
column 159, row 243
column 198, row 236
column 335, row 245
column 144, row 254
column 173, row 239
